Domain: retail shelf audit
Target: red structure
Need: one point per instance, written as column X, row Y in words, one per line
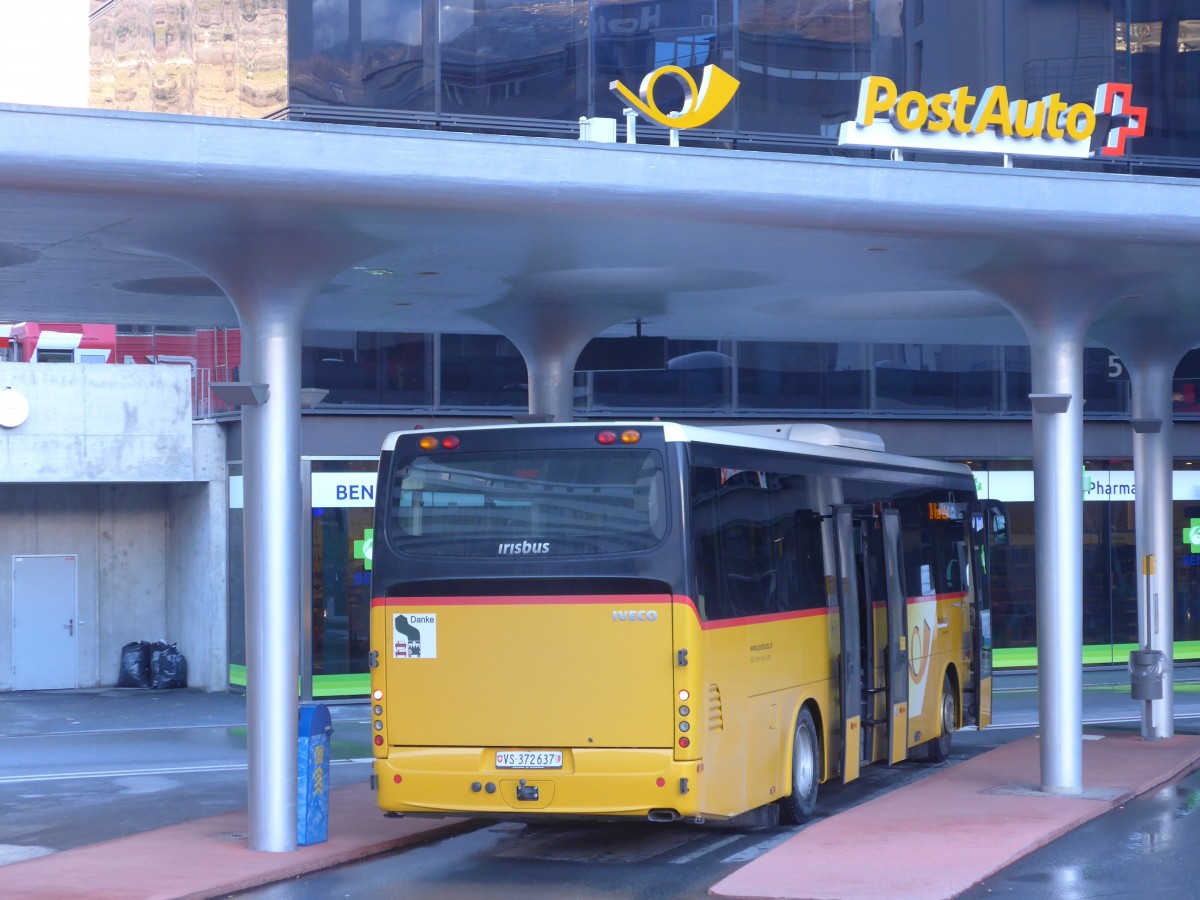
column 213, row 354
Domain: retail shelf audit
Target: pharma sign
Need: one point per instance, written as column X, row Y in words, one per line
column 991, row 122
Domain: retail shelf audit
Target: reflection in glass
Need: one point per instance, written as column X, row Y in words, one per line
column 514, row 58
column 633, row 39
column 785, row 376
column 937, row 376
column 368, row 53
column 370, row 368
column 801, row 61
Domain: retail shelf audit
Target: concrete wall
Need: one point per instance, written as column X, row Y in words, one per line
column 109, row 467
column 197, row 548
column 93, row 423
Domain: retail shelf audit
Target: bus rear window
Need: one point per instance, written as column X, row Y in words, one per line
column 510, row 503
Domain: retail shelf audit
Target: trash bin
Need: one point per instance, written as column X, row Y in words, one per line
column 312, row 775
column 1146, row 669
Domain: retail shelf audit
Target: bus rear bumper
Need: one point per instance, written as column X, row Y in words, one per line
column 621, row 783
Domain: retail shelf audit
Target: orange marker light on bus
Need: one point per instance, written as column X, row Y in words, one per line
column 428, row 442
column 630, row 436
column 606, row 437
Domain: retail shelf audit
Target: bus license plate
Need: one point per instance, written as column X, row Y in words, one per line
column 528, row 759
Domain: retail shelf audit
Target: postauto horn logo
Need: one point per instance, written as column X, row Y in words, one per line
column 992, row 123
column 700, row 105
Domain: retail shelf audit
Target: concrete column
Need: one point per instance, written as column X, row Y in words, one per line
column 1057, row 400
column 1056, row 295
column 1153, row 506
column 1150, row 334
column 271, row 452
column 551, row 332
column 271, row 267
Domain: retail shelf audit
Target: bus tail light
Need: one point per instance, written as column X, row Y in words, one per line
column 608, row 436
column 432, row 442
column 377, row 714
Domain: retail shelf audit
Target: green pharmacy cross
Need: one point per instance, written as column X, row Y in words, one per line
column 1191, row 535
column 364, row 549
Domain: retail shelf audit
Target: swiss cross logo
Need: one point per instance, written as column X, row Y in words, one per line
column 1126, row 120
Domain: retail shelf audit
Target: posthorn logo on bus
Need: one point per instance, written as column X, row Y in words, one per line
column 959, row 121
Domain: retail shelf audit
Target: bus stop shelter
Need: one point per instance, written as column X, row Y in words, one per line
column 132, row 218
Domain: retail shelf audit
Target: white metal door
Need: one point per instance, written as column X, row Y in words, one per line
column 44, row 622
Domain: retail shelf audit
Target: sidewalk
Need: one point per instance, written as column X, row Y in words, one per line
column 210, row 857
column 987, row 809
column 981, row 815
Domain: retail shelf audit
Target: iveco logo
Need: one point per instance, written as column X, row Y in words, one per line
column 634, row 615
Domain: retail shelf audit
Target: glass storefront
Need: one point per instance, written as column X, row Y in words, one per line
column 338, row 599
column 535, row 68
column 1111, row 569
column 342, row 509
column 336, row 595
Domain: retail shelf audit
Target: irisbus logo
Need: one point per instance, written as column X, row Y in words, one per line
column 635, row 615
column 524, row 548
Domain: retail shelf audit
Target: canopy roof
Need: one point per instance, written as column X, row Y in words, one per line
column 467, row 233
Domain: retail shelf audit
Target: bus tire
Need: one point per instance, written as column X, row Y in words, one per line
column 806, row 772
column 939, row 747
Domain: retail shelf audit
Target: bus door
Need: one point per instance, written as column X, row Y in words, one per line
column 989, row 527
column 848, row 537
column 897, row 637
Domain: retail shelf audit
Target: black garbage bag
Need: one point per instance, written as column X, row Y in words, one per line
column 135, row 665
column 168, row 667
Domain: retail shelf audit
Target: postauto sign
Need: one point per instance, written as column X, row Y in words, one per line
column 992, row 122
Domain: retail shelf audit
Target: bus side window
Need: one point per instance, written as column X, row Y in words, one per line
column 747, row 558
column 704, row 484
column 809, row 561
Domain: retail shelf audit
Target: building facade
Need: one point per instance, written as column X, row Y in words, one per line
column 534, row 69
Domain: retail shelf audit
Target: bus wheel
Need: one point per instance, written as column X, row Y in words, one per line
column 939, row 747
column 806, row 772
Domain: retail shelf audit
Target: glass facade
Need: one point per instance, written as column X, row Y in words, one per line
column 526, row 66
column 337, row 601
column 1110, row 566
column 203, row 57
column 339, row 597
column 652, row 376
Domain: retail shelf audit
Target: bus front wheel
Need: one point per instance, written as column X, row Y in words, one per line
column 806, row 772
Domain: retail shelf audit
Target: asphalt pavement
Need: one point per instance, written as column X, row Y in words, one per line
column 109, row 777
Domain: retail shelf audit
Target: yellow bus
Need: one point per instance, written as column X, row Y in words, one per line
column 661, row 621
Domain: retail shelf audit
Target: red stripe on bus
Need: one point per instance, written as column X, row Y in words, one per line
column 570, row 599
column 547, row 600
column 769, row 617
